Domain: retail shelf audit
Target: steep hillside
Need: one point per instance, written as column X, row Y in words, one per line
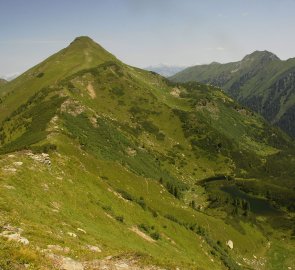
column 111, row 167
column 261, row 81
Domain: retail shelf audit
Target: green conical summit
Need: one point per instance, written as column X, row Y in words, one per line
column 81, row 54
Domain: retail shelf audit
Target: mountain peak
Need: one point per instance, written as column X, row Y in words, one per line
column 82, row 53
column 83, row 39
column 261, row 55
column 92, row 50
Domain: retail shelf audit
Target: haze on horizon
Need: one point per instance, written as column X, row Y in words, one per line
column 147, row 32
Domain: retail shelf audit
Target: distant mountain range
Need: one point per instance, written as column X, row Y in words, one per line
column 260, row 81
column 165, row 70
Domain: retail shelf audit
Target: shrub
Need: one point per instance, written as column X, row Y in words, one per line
column 117, row 91
column 120, row 218
column 44, row 148
column 150, row 230
column 155, row 235
column 40, row 75
column 142, row 203
column 126, row 195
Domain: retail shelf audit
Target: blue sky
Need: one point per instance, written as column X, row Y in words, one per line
column 146, row 32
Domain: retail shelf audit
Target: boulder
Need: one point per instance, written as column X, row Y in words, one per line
column 230, row 244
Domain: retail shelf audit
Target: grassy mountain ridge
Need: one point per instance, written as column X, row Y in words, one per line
column 261, row 81
column 111, row 156
column 80, row 54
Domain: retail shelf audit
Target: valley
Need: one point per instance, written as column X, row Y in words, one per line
column 107, row 166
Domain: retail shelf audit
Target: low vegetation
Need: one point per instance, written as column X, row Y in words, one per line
column 130, row 172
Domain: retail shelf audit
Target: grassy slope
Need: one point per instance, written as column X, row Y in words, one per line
column 2, row 84
column 120, row 128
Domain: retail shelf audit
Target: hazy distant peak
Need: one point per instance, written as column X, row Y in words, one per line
column 165, row 70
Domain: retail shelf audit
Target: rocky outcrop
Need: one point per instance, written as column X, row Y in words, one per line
column 107, row 263
column 14, row 234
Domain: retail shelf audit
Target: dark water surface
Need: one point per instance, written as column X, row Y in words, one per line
column 257, row 205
